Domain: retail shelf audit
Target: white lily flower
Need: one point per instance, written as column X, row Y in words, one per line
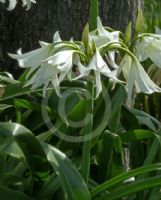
column 99, row 67
column 137, row 79
column 149, row 47
column 103, row 38
column 50, row 63
column 33, row 59
column 54, row 69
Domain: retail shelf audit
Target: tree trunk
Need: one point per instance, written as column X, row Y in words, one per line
column 19, row 28
column 118, row 13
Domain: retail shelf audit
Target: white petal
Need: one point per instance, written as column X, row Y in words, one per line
column 56, row 37
column 32, row 59
column 3, row 1
column 98, row 84
column 55, row 83
column 98, row 40
column 97, row 61
column 154, row 51
column 139, row 79
column 111, row 59
column 145, row 84
column 45, row 88
column 66, row 66
column 115, row 36
column 27, row 3
column 62, row 76
column 111, row 36
column 83, row 70
column 141, row 53
column 65, row 69
column 12, row 4
column 60, row 57
column 125, row 66
column 43, row 44
column 102, row 31
column 42, row 75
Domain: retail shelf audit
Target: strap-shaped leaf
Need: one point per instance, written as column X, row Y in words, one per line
column 29, row 145
column 8, row 194
column 124, row 176
column 71, row 180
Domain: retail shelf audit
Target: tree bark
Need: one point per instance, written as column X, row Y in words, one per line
column 118, row 13
column 19, row 28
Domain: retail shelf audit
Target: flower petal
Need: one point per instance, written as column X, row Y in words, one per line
column 154, row 51
column 34, row 58
column 141, row 53
column 102, row 31
column 98, row 84
column 98, row 40
column 60, row 58
column 140, row 80
column 56, row 37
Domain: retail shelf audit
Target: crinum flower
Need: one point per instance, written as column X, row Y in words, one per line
column 136, row 77
column 50, row 63
column 103, row 37
column 149, row 47
column 99, row 67
column 33, row 59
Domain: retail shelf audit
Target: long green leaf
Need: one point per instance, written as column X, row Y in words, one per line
column 15, row 90
column 126, row 190
column 28, row 143
column 8, row 194
column 124, row 176
column 70, row 179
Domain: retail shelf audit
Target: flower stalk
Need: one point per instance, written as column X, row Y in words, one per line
column 86, row 151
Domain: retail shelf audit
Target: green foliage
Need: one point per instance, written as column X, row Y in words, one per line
column 152, row 15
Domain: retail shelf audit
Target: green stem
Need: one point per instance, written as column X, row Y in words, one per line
column 93, row 14
column 85, row 163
